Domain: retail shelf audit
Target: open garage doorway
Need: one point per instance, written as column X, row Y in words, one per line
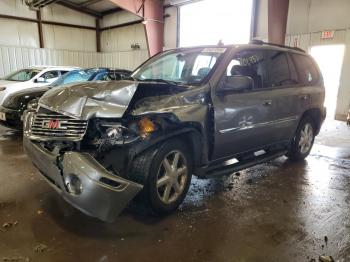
column 209, row 22
column 330, row 60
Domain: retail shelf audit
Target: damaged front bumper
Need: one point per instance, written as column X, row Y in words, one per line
column 82, row 181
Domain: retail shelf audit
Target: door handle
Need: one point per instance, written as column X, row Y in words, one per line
column 304, row 97
column 267, row 102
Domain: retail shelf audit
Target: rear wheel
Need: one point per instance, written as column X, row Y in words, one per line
column 303, row 141
column 168, row 177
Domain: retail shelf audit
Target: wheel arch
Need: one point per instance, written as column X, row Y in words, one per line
column 316, row 116
column 191, row 135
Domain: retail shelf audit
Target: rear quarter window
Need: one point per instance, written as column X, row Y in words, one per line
column 307, row 71
column 281, row 70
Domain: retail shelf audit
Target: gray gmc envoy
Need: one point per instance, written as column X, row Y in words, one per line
column 206, row 111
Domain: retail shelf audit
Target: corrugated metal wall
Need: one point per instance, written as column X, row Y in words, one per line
column 122, row 38
column 14, row 58
column 25, row 34
column 19, row 41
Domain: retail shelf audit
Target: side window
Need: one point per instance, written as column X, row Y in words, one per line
column 51, row 75
column 202, row 65
column 307, row 71
column 280, row 69
column 250, row 63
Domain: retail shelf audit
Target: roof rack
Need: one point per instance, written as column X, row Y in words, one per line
column 259, row 42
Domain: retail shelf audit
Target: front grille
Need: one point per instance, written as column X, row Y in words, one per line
column 55, row 126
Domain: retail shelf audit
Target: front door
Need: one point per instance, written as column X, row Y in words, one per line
column 241, row 117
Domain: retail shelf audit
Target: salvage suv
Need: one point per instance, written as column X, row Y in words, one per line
column 206, row 111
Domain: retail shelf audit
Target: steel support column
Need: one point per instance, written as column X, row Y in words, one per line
column 98, row 35
column 152, row 13
column 40, row 29
column 277, row 20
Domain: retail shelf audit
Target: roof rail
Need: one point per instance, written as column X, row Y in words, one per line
column 259, row 42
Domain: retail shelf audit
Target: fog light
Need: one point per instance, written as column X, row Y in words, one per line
column 73, row 184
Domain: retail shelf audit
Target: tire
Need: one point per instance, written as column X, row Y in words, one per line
column 164, row 187
column 303, row 140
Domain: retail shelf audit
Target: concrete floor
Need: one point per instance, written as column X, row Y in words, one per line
column 279, row 211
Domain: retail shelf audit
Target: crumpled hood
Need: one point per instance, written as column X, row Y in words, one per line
column 91, row 99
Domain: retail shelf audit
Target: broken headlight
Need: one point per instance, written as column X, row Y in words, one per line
column 111, row 134
column 33, row 105
column 146, row 126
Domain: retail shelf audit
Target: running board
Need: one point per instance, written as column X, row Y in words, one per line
column 221, row 169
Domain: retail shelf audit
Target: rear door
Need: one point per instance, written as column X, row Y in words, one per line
column 283, row 88
column 311, row 89
column 292, row 82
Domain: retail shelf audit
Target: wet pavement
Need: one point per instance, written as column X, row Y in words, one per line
column 278, row 211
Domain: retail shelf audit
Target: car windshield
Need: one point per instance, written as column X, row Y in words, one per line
column 75, row 76
column 22, row 75
column 186, row 66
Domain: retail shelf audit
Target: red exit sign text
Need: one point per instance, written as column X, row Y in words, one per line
column 327, row 35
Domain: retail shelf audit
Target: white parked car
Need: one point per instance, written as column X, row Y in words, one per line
column 34, row 76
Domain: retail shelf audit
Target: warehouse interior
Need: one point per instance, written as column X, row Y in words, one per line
column 273, row 211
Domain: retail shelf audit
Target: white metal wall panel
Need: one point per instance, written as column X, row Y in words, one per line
column 18, row 33
column 301, row 8
column 121, row 39
column 325, row 15
column 16, row 7
column 126, row 60
column 170, row 28
column 343, row 102
column 14, row 58
column 302, row 41
column 261, row 30
column 307, row 16
column 60, row 37
column 62, row 14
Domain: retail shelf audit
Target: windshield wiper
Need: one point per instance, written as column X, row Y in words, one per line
column 159, row 80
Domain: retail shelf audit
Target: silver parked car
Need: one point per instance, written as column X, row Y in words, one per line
column 183, row 112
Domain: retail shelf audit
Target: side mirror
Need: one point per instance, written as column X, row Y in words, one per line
column 40, row 80
column 237, row 83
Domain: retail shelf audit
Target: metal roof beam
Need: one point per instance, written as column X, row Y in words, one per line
column 78, row 8
column 89, row 2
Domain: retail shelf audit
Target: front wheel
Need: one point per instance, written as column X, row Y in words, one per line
column 168, row 177
column 303, row 141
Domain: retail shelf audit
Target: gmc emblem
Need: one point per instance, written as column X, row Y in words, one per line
column 51, row 124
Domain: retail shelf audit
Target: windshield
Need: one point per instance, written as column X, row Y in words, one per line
column 75, row 76
column 188, row 67
column 22, row 75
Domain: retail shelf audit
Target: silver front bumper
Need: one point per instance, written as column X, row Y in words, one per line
column 103, row 195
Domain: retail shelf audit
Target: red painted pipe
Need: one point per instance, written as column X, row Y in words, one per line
column 277, row 21
column 152, row 12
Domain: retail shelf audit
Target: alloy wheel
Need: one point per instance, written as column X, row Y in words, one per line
column 172, row 176
column 306, row 138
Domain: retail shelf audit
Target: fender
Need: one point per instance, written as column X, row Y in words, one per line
column 193, row 137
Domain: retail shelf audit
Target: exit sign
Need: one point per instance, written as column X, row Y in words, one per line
column 327, row 35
